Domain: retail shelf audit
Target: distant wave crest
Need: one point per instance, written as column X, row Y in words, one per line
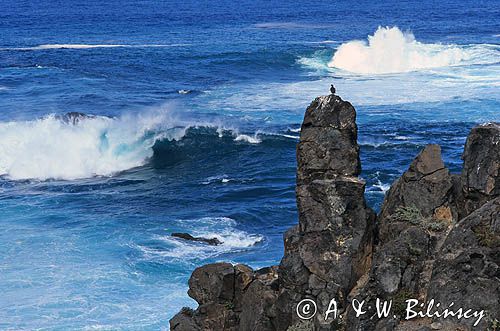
column 88, row 46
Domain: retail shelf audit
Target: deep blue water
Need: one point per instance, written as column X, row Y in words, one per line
column 198, row 106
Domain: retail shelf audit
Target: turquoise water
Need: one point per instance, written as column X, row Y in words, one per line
column 197, row 108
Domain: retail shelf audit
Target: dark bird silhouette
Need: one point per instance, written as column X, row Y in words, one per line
column 332, row 89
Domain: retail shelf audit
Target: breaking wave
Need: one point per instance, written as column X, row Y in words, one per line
column 390, row 50
column 54, row 147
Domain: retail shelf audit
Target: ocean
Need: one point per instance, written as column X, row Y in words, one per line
column 194, row 115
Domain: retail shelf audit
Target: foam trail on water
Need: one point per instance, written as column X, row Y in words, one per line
column 389, row 50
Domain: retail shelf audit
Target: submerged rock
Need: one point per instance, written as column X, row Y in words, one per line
column 74, row 117
column 187, row 236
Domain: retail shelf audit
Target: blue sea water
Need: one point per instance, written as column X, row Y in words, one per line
column 196, row 111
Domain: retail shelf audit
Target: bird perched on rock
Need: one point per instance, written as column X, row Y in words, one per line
column 332, row 89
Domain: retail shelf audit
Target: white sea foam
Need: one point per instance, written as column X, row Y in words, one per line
column 249, row 139
column 382, row 186
column 290, row 136
column 216, row 179
column 224, row 229
column 389, row 50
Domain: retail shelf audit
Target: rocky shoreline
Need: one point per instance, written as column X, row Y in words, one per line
column 437, row 237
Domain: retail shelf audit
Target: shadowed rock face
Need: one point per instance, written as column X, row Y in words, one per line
column 425, row 185
column 433, row 241
column 414, row 251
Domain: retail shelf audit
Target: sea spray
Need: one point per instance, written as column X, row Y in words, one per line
column 389, row 50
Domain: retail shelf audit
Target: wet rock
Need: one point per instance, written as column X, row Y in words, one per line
column 187, row 236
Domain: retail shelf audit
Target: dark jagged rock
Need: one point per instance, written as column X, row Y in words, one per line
column 328, row 140
column 212, row 283
column 423, row 193
column 331, row 248
column 333, row 251
column 187, row 236
column 467, row 271
column 230, row 298
column 481, row 171
column 415, row 214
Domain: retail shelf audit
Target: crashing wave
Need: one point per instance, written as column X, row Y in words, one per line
column 76, row 145
column 390, row 50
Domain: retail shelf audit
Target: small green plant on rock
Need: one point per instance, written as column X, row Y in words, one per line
column 486, row 236
column 436, row 225
column 414, row 250
column 494, row 325
column 302, row 326
column 399, row 301
column 412, row 215
column 407, row 214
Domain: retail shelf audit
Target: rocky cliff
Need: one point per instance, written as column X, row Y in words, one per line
column 437, row 237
